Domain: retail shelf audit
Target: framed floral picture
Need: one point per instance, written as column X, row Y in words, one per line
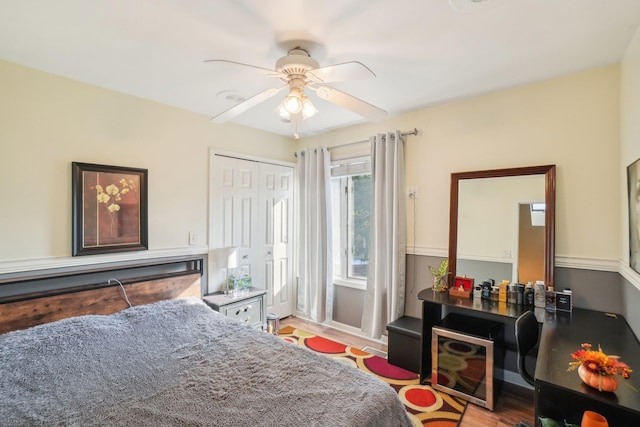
column 633, row 179
column 109, row 209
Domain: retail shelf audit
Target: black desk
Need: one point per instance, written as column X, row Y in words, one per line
column 559, row 394
column 432, row 313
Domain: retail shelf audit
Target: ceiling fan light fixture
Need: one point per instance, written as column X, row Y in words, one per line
column 283, row 111
column 293, row 103
column 296, row 102
column 308, row 109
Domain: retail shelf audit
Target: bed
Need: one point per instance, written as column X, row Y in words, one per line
column 177, row 362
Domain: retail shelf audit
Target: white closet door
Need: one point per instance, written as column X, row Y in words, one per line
column 276, row 229
column 234, row 216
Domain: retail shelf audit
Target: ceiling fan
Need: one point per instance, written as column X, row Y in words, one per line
column 298, row 71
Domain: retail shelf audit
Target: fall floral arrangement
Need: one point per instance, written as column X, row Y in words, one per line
column 598, row 362
column 597, row 369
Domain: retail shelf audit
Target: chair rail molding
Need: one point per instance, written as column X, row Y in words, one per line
column 629, row 274
column 10, row 267
column 598, row 264
column 427, row 251
column 595, row 264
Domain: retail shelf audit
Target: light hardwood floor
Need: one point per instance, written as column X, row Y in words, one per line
column 514, row 404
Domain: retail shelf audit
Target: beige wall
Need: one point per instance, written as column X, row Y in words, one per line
column 629, row 152
column 46, row 122
column 572, row 121
column 629, row 128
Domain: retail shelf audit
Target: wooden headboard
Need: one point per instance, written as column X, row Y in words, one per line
column 24, row 311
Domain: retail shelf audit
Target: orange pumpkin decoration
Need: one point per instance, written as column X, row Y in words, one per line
column 597, row 381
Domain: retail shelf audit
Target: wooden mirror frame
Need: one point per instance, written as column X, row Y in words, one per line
column 549, row 171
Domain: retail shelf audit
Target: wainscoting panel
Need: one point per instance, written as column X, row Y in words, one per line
column 347, row 305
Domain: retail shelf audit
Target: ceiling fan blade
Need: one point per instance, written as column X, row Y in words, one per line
column 246, row 105
column 341, row 72
column 265, row 71
column 351, row 103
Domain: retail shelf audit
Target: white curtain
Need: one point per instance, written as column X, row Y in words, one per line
column 315, row 286
column 384, row 297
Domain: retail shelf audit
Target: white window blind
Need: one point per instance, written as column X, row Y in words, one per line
column 352, row 166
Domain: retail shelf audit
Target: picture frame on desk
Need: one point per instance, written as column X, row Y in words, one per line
column 462, row 287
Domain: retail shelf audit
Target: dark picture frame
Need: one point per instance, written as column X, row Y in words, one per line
column 633, row 185
column 110, row 209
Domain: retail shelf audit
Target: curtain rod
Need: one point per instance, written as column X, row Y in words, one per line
column 411, row 132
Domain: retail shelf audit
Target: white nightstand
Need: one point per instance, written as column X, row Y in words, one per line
column 247, row 308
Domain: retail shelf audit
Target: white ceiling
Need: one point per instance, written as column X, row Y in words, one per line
column 424, row 52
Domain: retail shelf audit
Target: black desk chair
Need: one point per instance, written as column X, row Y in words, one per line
column 526, row 339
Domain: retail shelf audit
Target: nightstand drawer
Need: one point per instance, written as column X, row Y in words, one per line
column 248, row 311
column 247, row 308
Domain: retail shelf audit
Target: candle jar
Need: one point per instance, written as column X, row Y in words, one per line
column 495, row 293
column 511, row 293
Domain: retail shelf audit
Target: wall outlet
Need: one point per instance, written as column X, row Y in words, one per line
column 412, row 192
column 193, row 238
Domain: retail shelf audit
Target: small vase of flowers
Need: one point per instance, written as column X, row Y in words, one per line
column 598, row 370
column 440, row 282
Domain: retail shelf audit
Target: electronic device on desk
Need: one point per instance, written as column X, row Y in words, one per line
column 462, row 287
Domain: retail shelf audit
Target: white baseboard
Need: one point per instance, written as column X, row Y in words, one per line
column 344, row 328
column 515, row 379
column 355, row 331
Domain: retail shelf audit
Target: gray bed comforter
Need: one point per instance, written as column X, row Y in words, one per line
column 180, row 363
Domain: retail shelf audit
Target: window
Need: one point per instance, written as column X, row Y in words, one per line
column 351, row 205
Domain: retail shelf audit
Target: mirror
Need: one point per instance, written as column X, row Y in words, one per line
column 502, row 224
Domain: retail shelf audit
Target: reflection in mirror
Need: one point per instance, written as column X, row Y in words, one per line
column 502, row 224
column 529, row 265
column 496, row 235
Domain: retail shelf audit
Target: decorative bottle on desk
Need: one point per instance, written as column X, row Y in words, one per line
column 528, row 295
column 477, row 292
column 486, row 288
column 502, row 296
column 550, row 299
column 519, row 294
column 511, row 293
column 540, row 290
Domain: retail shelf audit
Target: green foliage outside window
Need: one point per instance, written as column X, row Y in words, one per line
column 361, row 220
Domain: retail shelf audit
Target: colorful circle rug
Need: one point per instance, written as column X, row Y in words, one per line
column 425, row 406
